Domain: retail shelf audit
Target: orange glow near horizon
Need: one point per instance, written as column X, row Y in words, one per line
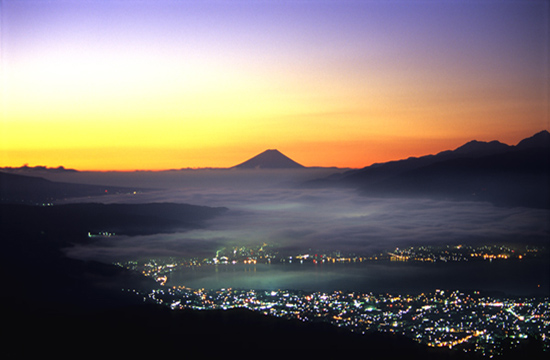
column 169, row 85
column 157, row 159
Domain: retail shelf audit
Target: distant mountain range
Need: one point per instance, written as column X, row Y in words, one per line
column 490, row 171
column 270, row 159
column 22, row 189
column 37, row 169
column 513, row 175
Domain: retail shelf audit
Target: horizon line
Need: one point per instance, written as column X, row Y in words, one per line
column 62, row 168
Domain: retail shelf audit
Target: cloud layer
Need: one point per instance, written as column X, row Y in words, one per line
column 323, row 219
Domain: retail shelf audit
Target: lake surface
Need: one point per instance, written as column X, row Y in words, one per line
column 511, row 277
column 297, row 220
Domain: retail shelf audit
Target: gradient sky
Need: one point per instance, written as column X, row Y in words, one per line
column 124, row 85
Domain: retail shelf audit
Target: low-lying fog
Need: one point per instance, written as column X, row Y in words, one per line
column 269, row 207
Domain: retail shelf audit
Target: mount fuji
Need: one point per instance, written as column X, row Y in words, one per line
column 270, row 159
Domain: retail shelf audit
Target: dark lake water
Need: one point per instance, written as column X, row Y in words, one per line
column 296, row 220
column 512, row 277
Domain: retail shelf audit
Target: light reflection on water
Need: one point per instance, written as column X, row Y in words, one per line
column 294, row 220
column 515, row 278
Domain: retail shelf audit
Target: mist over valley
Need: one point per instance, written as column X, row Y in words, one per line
column 297, row 211
column 79, row 236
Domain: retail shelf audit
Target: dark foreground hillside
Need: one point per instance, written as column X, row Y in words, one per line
column 54, row 305
column 151, row 330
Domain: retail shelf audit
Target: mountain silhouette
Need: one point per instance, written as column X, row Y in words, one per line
column 485, row 171
column 479, row 148
column 270, row 159
column 539, row 140
column 23, row 189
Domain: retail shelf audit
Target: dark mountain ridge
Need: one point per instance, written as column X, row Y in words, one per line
column 471, row 149
column 23, row 189
column 539, row 140
column 488, row 171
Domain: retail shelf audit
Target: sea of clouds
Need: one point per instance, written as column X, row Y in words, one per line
column 274, row 210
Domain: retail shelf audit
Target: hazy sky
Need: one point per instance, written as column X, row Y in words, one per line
column 164, row 84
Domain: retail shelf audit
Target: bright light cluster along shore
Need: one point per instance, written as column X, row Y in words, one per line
column 124, row 85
